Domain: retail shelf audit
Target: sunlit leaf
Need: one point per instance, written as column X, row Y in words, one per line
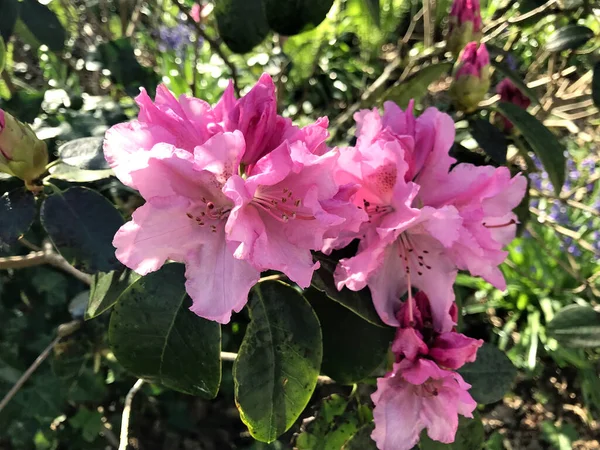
column 576, row 326
column 570, row 37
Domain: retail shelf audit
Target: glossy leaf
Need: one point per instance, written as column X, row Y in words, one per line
column 8, row 18
column 361, row 440
column 43, row 24
column 278, row 362
column 106, row 289
column 334, row 424
column 576, row 326
column 153, row 334
column 293, row 17
column 516, row 78
column 352, row 347
column 82, row 224
column 490, row 376
column 242, row 24
column 542, row 141
column 2, row 55
column 491, row 139
column 359, row 303
column 74, row 174
column 17, row 211
column 84, row 153
column 570, row 37
column 415, row 87
column 470, row 435
column 596, row 85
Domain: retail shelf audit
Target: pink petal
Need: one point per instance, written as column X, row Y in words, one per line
column 221, row 155
column 158, row 231
column 409, row 342
column 453, row 350
column 217, row 282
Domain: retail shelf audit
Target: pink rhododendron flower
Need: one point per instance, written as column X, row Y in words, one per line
column 230, row 191
column 417, row 395
column 425, row 221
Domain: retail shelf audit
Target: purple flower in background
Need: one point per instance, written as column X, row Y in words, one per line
column 174, row 38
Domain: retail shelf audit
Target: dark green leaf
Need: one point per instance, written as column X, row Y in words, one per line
column 374, row 10
column 333, row 426
column 517, row 80
column 576, row 326
column 490, row 376
column 84, row 153
column 542, row 141
column 470, row 435
column 415, row 87
column 88, row 422
column 106, row 289
column 17, row 211
column 82, row 224
column 154, row 335
column 242, row 23
column 596, row 85
column 361, row 439
column 491, row 139
column 278, row 363
column 358, row 302
column 570, row 37
column 295, row 16
column 25, row 105
column 43, row 24
column 2, row 55
column 352, row 347
column 8, row 18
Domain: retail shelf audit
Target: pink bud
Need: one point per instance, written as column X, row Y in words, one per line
column 473, row 61
column 509, row 93
column 463, row 11
column 195, row 12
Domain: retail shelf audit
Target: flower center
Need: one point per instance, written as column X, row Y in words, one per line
column 281, row 204
column 428, row 389
column 206, row 213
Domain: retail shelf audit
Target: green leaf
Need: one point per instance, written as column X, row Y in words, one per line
column 278, row 363
column 596, row 85
column 82, row 224
column 84, row 153
column 561, row 438
column 2, row 55
column 334, row 424
column 74, row 174
column 359, row 303
column 154, row 335
column 106, row 290
column 26, row 105
column 490, row 139
column 570, row 37
column 242, row 24
column 352, row 347
column 470, row 435
column 490, row 375
column 296, row 16
column 88, row 422
column 576, row 326
column 361, row 440
column 8, row 18
column 517, row 80
column 542, row 141
column 374, row 10
column 43, row 24
column 415, row 87
column 17, row 211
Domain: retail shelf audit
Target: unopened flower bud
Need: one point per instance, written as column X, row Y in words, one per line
column 471, row 77
column 464, row 24
column 510, row 93
column 22, row 154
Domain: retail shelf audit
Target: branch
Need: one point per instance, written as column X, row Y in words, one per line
column 63, row 331
column 213, row 44
column 124, row 441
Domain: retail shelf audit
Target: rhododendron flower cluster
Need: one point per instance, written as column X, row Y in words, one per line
column 423, row 390
column 425, row 220
column 236, row 189
column 231, row 191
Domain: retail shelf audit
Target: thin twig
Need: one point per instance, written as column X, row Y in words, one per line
column 124, row 441
column 213, row 44
column 21, row 381
column 135, row 15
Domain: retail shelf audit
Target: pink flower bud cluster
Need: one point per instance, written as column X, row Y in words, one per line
column 471, row 77
column 464, row 24
column 423, row 376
